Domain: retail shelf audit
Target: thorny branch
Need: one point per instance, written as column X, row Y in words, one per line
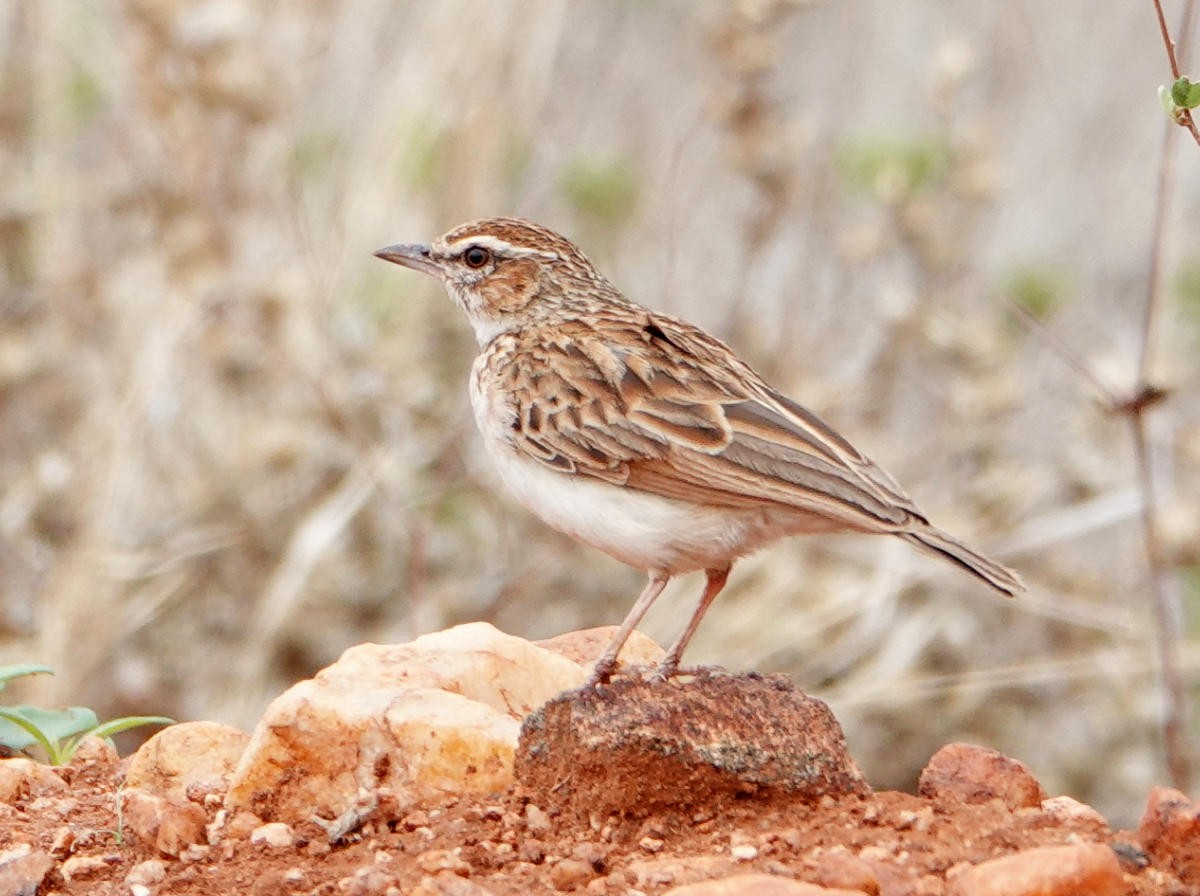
column 1145, row 394
column 1135, row 406
column 1184, row 116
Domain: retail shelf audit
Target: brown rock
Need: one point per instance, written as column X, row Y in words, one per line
column 1170, row 833
column 151, row 871
column 674, row 870
column 368, row 882
column 200, row 754
column 757, row 885
column 95, row 751
column 22, row 778
column 23, row 868
column 82, row 867
column 846, row 871
column 433, row 861
column 635, row 747
column 584, row 647
column 448, row 884
column 570, row 874
column 1084, row 869
column 977, row 775
column 170, row 826
column 1068, row 810
column 241, row 825
column 437, row 716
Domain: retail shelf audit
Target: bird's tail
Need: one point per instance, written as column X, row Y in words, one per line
column 935, row 541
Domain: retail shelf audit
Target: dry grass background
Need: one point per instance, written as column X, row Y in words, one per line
column 232, row 443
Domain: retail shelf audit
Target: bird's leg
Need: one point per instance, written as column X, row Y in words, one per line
column 607, row 664
column 716, row 581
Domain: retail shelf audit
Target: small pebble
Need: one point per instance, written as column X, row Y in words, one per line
column 536, row 819
column 151, row 871
column 570, row 874
column 651, row 844
column 274, row 834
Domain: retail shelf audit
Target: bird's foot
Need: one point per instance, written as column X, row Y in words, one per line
column 601, row 672
column 665, row 670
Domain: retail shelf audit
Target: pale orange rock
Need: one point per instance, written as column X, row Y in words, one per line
column 1084, row 869
column 170, row 826
column 757, row 885
column 437, row 716
column 448, row 884
column 23, row 778
column 585, row 646
column 978, row 774
column 95, row 751
column 847, row 871
column 676, row 870
column 82, row 867
column 186, row 755
column 1068, row 809
column 23, row 868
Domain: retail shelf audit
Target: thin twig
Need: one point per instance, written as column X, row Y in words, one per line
column 1068, row 355
column 1167, row 619
column 1134, row 407
column 1166, row 36
column 1146, row 393
column 1182, row 116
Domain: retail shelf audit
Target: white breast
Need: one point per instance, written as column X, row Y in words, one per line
column 644, row 530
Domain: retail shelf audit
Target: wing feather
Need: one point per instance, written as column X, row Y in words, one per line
column 655, row 404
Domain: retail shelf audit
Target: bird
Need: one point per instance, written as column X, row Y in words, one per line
column 644, row 436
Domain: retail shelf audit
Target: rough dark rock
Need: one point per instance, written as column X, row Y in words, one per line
column 633, row 747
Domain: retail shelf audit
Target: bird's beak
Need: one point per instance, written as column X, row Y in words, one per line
column 411, row 255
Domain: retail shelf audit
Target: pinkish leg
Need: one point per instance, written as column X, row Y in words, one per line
column 608, row 660
column 716, row 581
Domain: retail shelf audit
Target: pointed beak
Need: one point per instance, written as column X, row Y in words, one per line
column 411, row 255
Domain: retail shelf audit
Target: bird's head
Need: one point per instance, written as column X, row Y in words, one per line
column 506, row 273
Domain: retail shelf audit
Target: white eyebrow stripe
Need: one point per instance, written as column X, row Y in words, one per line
column 498, row 247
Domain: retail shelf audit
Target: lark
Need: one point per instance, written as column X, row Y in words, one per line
column 642, row 435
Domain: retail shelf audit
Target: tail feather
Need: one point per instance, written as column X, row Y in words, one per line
column 944, row 545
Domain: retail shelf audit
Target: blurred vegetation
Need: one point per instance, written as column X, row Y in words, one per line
column 232, row 443
column 1038, row 290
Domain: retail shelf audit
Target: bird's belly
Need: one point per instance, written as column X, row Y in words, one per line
column 643, row 530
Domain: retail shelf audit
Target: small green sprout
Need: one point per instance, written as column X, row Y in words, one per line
column 58, row 732
column 1179, row 98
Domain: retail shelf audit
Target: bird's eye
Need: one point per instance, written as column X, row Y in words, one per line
column 477, row 257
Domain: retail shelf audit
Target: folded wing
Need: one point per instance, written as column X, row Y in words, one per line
column 658, row 405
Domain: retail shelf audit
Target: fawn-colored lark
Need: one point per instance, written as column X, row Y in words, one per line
column 644, row 436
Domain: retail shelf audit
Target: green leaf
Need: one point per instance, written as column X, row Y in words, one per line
column 1185, row 94
column 116, row 726
column 18, row 733
column 1164, row 97
column 23, row 726
column 20, row 670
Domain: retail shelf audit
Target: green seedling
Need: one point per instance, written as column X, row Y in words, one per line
column 58, row 732
column 1180, row 97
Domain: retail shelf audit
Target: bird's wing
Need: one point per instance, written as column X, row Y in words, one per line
column 653, row 403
